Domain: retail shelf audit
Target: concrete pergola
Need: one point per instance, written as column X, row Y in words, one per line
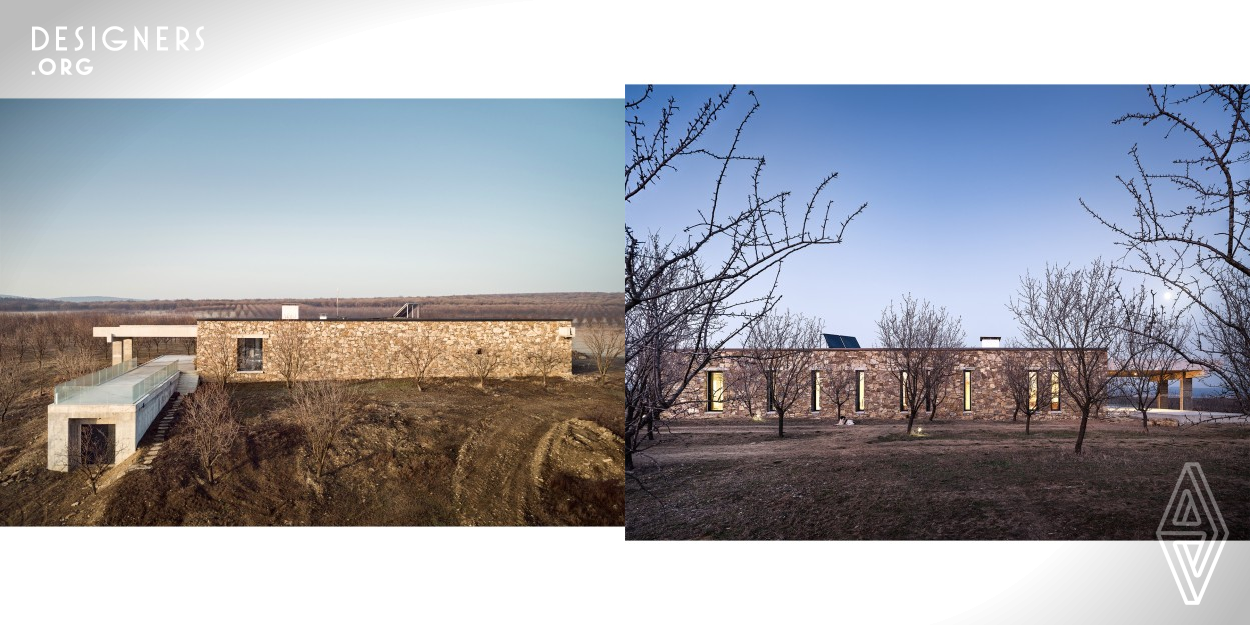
column 122, row 350
column 1179, row 371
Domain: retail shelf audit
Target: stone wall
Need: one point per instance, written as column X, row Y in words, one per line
column 990, row 398
column 361, row 350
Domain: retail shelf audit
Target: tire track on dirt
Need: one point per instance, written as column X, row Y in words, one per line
column 494, row 475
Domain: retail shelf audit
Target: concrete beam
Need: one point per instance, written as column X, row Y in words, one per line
column 144, row 331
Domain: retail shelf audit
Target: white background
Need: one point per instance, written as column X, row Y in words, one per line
column 579, row 49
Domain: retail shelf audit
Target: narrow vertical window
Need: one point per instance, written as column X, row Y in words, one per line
column 815, row 391
column 967, row 390
column 1054, row 391
column 1032, row 390
column 902, row 391
column 715, row 391
column 859, row 391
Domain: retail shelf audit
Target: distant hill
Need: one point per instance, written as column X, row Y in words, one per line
column 94, row 298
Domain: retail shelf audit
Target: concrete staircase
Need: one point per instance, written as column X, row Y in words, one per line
column 187, row 383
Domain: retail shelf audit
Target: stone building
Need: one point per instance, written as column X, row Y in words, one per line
column 977, row 388
column 251, row 350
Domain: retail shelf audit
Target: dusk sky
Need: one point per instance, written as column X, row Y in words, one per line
column 967, row 189
column 308, row 198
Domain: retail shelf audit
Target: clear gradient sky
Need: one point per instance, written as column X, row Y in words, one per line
column 308, row 198
column 967, row 189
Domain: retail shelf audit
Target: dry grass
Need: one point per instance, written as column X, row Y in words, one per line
column 962, row 480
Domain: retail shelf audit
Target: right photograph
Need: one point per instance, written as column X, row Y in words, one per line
column 938, row 313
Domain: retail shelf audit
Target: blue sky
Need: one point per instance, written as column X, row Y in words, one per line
column 308, row 198
column 968, row 187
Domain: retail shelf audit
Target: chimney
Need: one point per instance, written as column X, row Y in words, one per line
column 991, row 341
column 290, row 311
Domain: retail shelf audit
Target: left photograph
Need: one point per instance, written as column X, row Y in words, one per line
column 311, row 312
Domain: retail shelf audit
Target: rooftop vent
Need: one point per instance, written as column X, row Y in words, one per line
column 290, row 311
column 991, row 341
column 838, row 340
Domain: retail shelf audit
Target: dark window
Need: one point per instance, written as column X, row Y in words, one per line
column 251, row 355
column 715, row 391
column 859, row 390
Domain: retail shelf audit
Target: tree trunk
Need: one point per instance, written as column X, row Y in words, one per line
column 1145, row 420
column 1015, row 411
column 1028, row 418
column 1080, row 436
column 910, row 418
column 781, row 419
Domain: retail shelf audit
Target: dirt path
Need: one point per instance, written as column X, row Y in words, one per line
column 494, row 474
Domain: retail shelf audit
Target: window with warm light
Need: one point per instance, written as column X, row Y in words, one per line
column 967, row 390
column 860, row 379
column 815, row 391
column 1054, row 391
column 1032, row 390
column 715, row 391
column 902, row 391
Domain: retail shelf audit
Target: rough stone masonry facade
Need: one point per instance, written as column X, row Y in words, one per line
column 373, row 349
column 990, row 397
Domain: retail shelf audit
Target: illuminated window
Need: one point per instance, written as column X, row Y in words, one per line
column 815, row 391
column 715, row 391
column 1054, row 391
column 859, row 390
column 1032, row 390
column 251, row 355
column 902, row 391
column 967, row 390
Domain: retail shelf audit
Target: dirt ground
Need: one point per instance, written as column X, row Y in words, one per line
column 453, row 455
column 961, row 480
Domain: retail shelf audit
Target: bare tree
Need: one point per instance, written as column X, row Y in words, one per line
column 838, row 387
column 39, row 338
column 420, row 350
column 75, row 358
column 690, row 294
column 288, row 351
column 1143, row 354
column 209, row 427
column 480, row 363
column 1194, row 233
column 1074, row 314
column 780, row 347
column 322, row 409
column 940, row 375
column 914, row 337
column 217, row 365
column 13, row 384
column 93, row 456
column 750, row 387
column 606, row 344
column 1023, row 372
column 549, row 357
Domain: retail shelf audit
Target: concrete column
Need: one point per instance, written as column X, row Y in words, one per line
column 1187, row 393
column 1162, row 402
column 117, row 352
column 127, row 351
